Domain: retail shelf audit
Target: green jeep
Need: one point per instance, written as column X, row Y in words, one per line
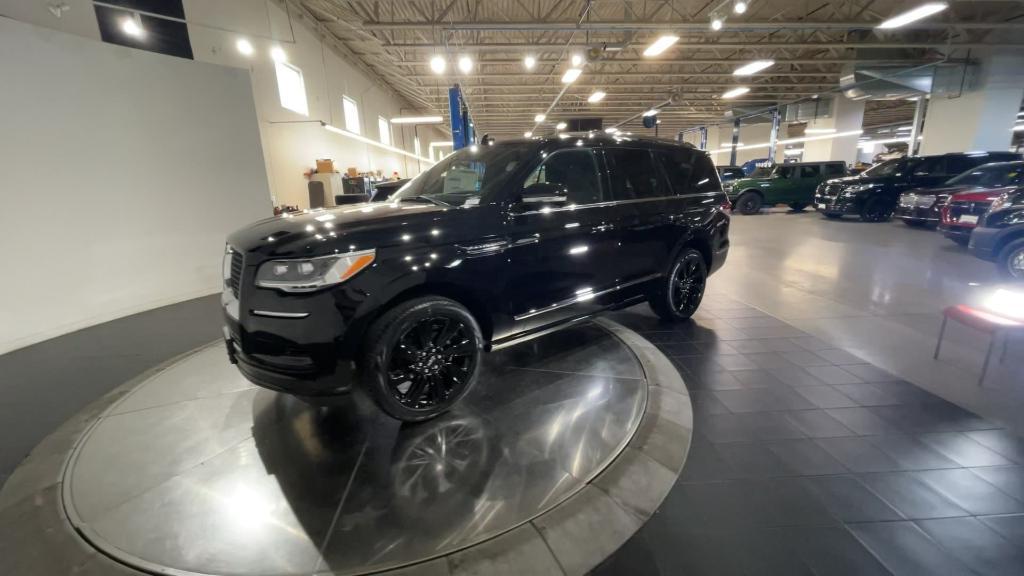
column 792, row 184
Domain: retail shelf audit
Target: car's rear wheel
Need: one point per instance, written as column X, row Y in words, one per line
column 421, row 357
column 1011, row 260
column 680, row 296
column 749, row 203
column 798, row 206
column 876, row 210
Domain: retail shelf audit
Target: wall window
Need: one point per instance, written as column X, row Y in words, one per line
column 384, row 127
column 290, row 88
column 351, row 110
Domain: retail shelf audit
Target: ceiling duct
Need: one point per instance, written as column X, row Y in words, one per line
column 809, row 110
column 887, row 82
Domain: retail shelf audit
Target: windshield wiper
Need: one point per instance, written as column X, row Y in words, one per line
column 427, row 199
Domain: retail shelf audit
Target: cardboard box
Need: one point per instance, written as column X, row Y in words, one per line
column 353, row 172
column 324, row 165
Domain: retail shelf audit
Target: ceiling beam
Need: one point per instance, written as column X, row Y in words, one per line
column 697, row 26
column 517, row 46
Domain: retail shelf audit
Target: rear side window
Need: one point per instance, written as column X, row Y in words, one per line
column 931, row 166
column 633, row 174
column 835, row 169
column 705, row 177
column 678, row 166
column 812, row 171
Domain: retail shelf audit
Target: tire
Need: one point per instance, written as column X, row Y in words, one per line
column 683, row 289
column 875, row 210
column 421, row 357
column 798, row 206
column 748, row 204
column 1011, row 260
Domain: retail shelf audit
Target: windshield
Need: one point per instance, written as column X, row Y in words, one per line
column 888, row 168
column 469, row 177
column 991, row 176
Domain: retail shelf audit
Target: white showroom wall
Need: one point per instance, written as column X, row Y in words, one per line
column 121, row 172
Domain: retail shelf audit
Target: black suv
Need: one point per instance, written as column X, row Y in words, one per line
column 999, row 236
column 491, row 246
column 874, row 194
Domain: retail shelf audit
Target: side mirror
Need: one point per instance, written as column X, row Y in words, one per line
column 545, row 193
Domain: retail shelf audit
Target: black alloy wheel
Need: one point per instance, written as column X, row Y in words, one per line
column 422, row 356
column 749, row 203
column 685, row 288
column 1011, row 260
column 876, row 210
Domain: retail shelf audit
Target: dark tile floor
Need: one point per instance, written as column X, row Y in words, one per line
column 807, row 460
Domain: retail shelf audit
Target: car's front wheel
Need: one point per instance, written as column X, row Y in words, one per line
column 680, row 296
column 421, row 357
column 876, row 210
column 749, row 203
column 1011, row 260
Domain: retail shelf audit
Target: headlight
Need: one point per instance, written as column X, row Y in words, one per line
column 1002, row 202
column 854, row 190
column 309, row 274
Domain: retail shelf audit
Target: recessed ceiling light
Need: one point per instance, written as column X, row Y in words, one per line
column 571, row 75
column 560, row 126
column 438, row 64
column 576, row 60
column 529, row 62
column 753, row 67
column 465, row 64
column 244, row 47
column 660, row 45
column 922, row 11
column 736, row 92
column 740, row 6
column 717, row 23
column 597, row 96
column 132, row 26
column 539, row 118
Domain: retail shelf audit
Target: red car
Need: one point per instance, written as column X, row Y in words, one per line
column 961, row 213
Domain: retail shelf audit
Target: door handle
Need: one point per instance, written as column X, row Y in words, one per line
column 487, row 248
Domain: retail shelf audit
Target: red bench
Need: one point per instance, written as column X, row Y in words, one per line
column 984, row 321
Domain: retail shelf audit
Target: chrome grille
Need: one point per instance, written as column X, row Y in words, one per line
column 236, row 272
column 958, row 209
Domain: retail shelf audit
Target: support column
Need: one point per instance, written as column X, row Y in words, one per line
column 847, row 116
column 982, row 115
column 773, row 139
column 735, row 141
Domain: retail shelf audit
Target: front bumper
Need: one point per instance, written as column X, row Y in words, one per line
column 929, row 214
column 957, row 233
column 835, row 205
column 983, row 243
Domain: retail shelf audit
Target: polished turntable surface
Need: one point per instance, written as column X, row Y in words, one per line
column 197, row 471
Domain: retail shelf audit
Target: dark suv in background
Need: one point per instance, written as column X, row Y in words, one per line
column 923, row 206
column 874, row 194
column 793, row 184
column 493, row 245
column 999, row 235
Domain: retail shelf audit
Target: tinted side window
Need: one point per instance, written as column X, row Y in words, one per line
column 934, row 166
column 810, row 171
column 633, row 174
column 678, row 165
column 705, row 177
column 574, row 169
column 785, row 172
column 835, row 169
column 960, row 164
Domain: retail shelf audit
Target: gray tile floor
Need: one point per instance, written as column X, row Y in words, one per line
column 808, row 460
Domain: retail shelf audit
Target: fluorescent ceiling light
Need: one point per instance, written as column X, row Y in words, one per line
column 417, row 120
column 740, row 6
column 560, row 126
column 793, row 151
column 904, row 128
column 1019, row 128
column 753, row 68
column 922, row 11
column 576, row 60
column 820, row 131
column 529, row 62
column 736, row 92
column 244, row 46
column 465, row 64
column 539, row 118
column 527, row 134
column 611, row 130
column 132, row 26
column 597, row 96
column 717, row 23
column 438, row 64
column 660, row 45
column 376, row 144
column 651, row 112
column 571, row 75
column 277, row 54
